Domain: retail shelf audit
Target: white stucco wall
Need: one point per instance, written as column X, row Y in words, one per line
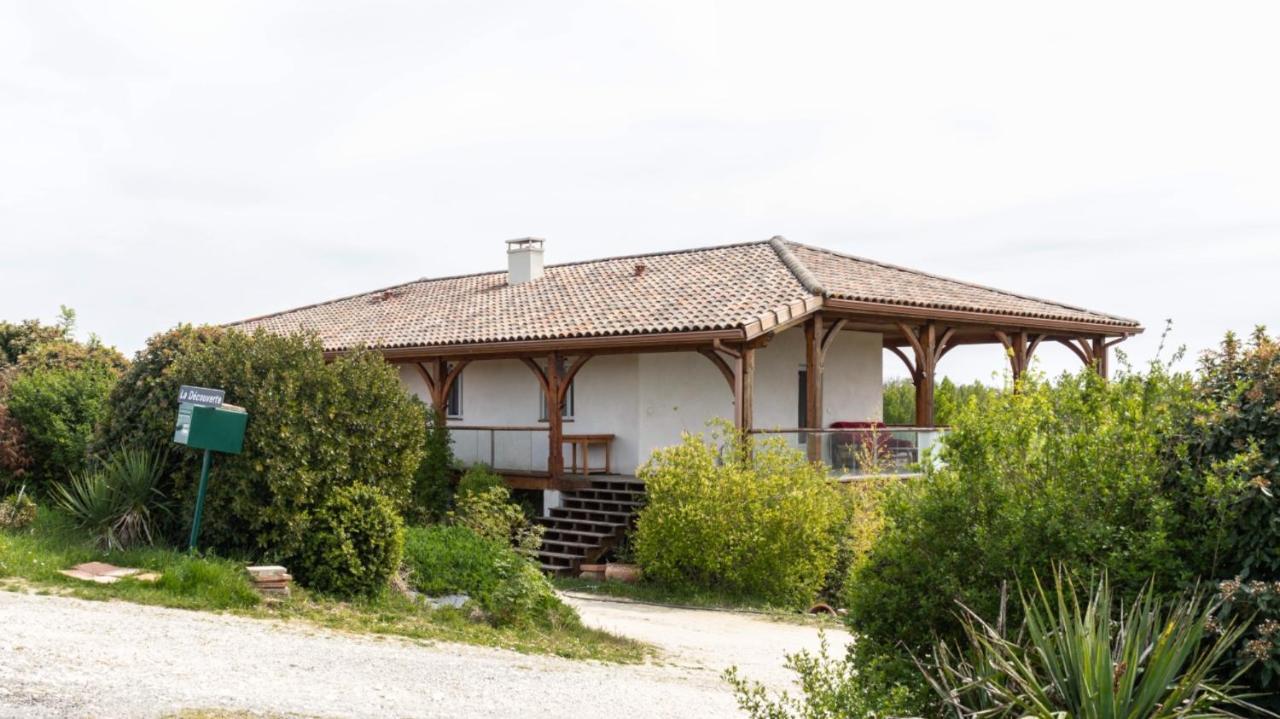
column 648, row 400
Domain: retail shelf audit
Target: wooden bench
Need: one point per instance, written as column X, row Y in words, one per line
column 584, row 441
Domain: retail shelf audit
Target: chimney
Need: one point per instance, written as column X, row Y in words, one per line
column 524, row 260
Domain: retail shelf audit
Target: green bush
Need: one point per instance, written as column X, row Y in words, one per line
column 451, row 559
column 144, row 403
column 948, row 398
column 15, row 459
column 1098, row 658
column 119, row 502
column 478, row 478
column 314, row 427
column 433, row 482
column 58, row 410
column 490, row 513
column 861, row 685
column 746, row 517
column 354, row 543
column 1223, row 479
column 19, row 338
column 1064, row 472
column 857, row 529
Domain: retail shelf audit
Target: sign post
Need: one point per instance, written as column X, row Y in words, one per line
column 204, row 422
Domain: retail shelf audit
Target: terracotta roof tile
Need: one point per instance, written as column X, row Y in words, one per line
column 705, row 289
column 855, row 278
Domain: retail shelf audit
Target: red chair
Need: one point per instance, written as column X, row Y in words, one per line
column 861, row 441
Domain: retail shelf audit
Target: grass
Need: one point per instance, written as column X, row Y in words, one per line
column 653, row 593
column 31, row 558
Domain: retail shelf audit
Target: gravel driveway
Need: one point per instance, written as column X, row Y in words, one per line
column 63, row 657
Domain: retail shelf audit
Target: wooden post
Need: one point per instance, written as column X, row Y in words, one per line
column 813, row 361
column 555, row 418
column 924, row 378
column 440, row 397
column 1101, row 358
column 928, row 348
column 744, row 380
column 1020, row 347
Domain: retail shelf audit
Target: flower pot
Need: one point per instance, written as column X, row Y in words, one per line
column 622, row 573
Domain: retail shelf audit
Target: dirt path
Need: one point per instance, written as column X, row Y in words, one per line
column 63, row 657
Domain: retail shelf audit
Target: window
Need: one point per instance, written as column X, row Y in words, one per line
column 453, row 404
column 568, row 400
column 803, row 404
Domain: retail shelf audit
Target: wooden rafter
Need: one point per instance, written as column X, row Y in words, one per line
column 720, row 364
column 1021, row 347
column 425, row 374
column 831, row 333
column 537, row 372
column 567, row 381
column 928, row 347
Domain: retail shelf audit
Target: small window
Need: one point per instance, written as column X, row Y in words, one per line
column 453, row 405
column 568, row 401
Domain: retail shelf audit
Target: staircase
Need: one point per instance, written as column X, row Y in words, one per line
column 588, row 523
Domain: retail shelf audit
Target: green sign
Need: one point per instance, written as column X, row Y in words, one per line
column 204, row 422
column 189, row 398
column 220, row 429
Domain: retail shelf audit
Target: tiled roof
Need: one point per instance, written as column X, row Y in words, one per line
column 714, row 288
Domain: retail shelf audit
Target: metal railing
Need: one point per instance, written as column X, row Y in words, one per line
column 512, row 449
column 856, row 452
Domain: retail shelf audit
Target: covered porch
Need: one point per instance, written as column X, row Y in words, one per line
column 555, row 453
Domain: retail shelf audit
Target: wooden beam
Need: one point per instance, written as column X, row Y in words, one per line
column 555, row 418
column 813, row 363
column 572, row 372
column 911, row 367
column 832, row 332
column 426, row 378
column 537, row 372
column 744, row 380
column 907, row 313
column 927, row 350
column 720, row 364
column 1020, row 347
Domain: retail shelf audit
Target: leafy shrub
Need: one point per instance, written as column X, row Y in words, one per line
column 491, row 514
column 739, row 515
column 1147, row 659
column 314, row 427
column 69, row 354
column 856, row 532
column 862, row 685
column 433, row 482
column 17, row 511
column 445, row 559
column 1058, row 472
column 143, row 403
column 948, row 398
column 1224, row 482
column 354, row 543
column 478, row 478
column 58, row 410
column 19, row 338
column 14, row 457
column 117, row 502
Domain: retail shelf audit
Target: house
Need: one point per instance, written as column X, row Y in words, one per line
column 781, row 337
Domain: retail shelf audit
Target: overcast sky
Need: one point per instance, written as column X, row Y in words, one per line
column 202, row 162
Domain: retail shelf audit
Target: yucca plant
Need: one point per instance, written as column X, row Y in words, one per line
column 1150, row 659
column 118, row 500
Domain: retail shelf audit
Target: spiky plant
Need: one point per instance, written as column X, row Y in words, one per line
column 1151, row 659
column 117, row 501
